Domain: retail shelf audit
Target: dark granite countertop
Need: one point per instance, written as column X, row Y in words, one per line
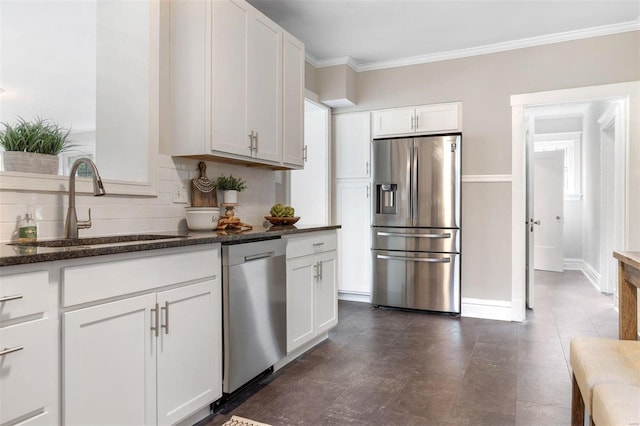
column 12, row 254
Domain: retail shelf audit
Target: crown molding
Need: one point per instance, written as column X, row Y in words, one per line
column 481, row 50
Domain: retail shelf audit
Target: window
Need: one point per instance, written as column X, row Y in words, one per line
column 570, row 143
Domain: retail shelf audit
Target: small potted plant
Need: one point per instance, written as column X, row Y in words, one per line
column 33, row 146
column 230, row 186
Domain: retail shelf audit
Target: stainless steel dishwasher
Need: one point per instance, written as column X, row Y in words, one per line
column 254, row 309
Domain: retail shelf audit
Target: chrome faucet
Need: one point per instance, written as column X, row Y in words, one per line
column 72, row 224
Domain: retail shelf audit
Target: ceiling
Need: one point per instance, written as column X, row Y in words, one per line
column 373, row 34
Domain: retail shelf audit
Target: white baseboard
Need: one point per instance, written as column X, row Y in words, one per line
column 354, row 297
column 592, row 275
column 572, row 264
column 487, row 309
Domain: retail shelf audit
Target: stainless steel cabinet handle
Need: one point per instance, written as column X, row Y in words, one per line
column 412, row 120
column 316, row 274
column 316, row 245
column 251, row 142
column 368, row 168
column 7, row 351
column 165, row 308
column 416, row 259
column 368, row 191
column 9, row 298
column 255, row 138
column 320, row 268
column 304, row 153
column 155, row 312
column 417, row 121
column 395, row 234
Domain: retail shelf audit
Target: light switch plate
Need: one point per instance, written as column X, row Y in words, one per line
column 180, row 194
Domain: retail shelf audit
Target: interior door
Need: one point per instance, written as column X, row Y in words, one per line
column 530, row 131
column 548, row 210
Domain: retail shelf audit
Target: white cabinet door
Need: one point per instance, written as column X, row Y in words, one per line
column 393, row 121
column 353, row 211
column 109, row 364
column 25, row 371
column 353, row 145
column 292, row 101
column 264, row 80
column 437, row 118
column 326, row 297
column 229, row 41
column 189, row 350
column 301, row 284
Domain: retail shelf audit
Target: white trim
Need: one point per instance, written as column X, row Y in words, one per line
column 487, row 309
column 572, row 264
column 354, row 297
column 592, row 275
column 480, row 50
column 486, row 178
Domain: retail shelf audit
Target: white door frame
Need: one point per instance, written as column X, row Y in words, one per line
column 630, row 92
column 610, row 218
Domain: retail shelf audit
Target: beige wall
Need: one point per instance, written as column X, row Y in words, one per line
column 484, row 84
column 310, row 77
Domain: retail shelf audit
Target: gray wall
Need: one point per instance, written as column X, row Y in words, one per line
column 484, row 84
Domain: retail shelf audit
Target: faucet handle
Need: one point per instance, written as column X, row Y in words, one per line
column 85, row 224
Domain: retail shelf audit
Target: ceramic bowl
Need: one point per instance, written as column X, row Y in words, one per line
column 202, row 218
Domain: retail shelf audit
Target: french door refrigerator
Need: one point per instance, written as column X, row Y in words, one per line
column 416, row 223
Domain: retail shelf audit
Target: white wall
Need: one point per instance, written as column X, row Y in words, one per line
column 125, row 215
column 591, row 185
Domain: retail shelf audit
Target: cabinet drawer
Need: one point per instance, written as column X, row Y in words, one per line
column 311, row 244
column 23, row 294
column 25, row 372
column 87, row 283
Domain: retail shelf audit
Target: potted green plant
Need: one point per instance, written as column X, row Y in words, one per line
column 230, row 186
column 33, row 146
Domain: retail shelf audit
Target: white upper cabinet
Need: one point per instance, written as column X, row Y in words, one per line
column 293, row 102
column 436, row 118
column 236, row 84
column 264, row 91
column 353, row 145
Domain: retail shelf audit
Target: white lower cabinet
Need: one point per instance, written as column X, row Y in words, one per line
column 151, row 359
column 312, row 294
column 28, row 348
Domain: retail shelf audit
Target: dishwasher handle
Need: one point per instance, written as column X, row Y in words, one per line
column 259, row 256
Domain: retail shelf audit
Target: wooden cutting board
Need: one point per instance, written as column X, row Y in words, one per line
column 203, row 190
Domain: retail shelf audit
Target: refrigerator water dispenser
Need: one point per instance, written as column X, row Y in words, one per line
column 386, row 198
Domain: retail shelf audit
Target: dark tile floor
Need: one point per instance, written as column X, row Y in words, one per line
column 389, row 367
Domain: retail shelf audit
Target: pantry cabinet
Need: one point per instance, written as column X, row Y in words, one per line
column 27, row 349
column 146, row 359
column 426, row 119
column 352, row 203
column 312, row 303
column 232, row 69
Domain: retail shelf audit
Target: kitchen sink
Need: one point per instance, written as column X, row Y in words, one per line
column 71, row 242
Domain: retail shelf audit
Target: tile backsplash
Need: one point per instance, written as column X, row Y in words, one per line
column 114, row 214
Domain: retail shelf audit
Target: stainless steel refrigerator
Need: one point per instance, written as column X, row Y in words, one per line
column 416, row 223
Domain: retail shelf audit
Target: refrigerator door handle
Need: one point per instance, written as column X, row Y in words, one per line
column 395, row 234
column 415, row 259
column 414, row 185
